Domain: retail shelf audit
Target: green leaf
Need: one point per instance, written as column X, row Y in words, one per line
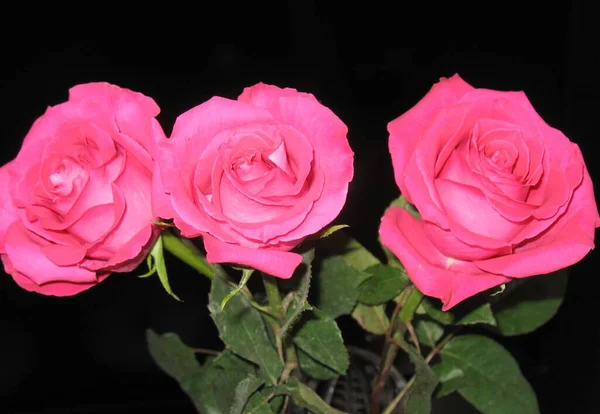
column 424, row 381
column 297, row 302
column 210, row 387
column 428, row 331
column 336, row 288
column 223, row 375
column 385, row 284
column 242, row 329
column 418, row 400
column 186, row 251
column 371, row 318
column 445, row 318
column 261, row 402
column 246, row 273
column 533, row 303
column 314, row 368
column 156, row 264
column 351, row 250
column 483, row 314
column 171, row 355
column 403, row 203
column 151, row 267
column 492, row 380
column 243, row 391
column 450, row 377
column 320, row 337
column 332, row 229
column 303, row 396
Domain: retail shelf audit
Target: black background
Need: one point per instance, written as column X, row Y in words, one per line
column 369, row 63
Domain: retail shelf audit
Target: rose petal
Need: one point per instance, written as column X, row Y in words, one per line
column 242, row 209
column 132, row 112
column 452, row 246
column 429, row 157
column 52, row 122
column 7, row 211
column 334, row 158
column 127, row 257
column 97, row 191
column 196, row 128
column 51, row 288
column 161, row 202
column 408, row 128
column 266, row 96
column 468, row 207
column 64, row 255
column 433, row 273
column 24, row 249
column 566, row 242
column 275, row 221
column 135, row 186
column 272, row 262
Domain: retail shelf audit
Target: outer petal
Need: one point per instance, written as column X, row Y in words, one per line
column 161, row 202
column 130, row 255
column 432, row 273
column 406, row 130
column 7, row 213
column 135, row 186
column 273, row 262
column 132, row 111
column 562, row 245
column 24, row 250
column 195, row 128
column 51, row 288
column 266, row 96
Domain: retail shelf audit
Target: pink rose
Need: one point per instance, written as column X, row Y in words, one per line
column 501, row 194
column 254, row 176
column 75, row 204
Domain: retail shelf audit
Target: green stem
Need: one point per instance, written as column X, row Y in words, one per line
column 274, row 296
column 246, row 273
column 410, row 305
column 276, row 306
column 185, row 251
column 392, row 406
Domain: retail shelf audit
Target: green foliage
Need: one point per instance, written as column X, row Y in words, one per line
column 296, row 298
column 385, row 283
column 445, row 318
column 156, row 265
column 372, row 319
column 305, row 397
column 480, row 315
column 212, row 387
column 251, row 374
column 530, row 304
column 246, row 273
column 242, row 329
column 424, row 381
column 243, row 391
column 331, row 229
column 314, row 368
column 429, row 332
column 486, row 375
column 320, row 338
column 336, row 288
